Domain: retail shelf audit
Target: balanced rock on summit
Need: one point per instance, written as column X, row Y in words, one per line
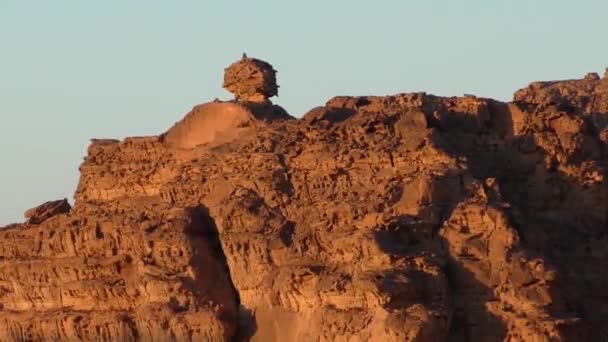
column 251, row 80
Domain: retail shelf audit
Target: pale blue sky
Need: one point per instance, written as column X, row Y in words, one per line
column 71, row 70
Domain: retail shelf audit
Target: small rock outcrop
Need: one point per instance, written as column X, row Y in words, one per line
column 251, row 80
column 47, row 210
column 409, row 217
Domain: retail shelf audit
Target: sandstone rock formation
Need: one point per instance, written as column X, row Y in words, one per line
column 251, row 80
column 400, row 218
column 47, row 210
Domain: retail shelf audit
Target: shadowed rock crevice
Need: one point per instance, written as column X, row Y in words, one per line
column 203, row 225
column 494, row 154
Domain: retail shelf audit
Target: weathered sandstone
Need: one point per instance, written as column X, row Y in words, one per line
column 251, row 80
column 409, row 217
column 47, row 210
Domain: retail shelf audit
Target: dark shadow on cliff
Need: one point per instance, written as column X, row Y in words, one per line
column 410, row 236
column 548, row 230
column 203, row 227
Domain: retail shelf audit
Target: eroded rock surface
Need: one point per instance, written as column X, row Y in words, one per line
column 251, row 80
column 400, row 218
column 47, row 210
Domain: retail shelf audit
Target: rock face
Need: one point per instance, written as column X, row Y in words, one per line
column 401, row 218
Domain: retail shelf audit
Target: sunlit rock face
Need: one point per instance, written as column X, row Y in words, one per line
column 400, row 218
column 251, row 80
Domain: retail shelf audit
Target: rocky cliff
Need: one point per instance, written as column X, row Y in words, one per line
column 400, row 218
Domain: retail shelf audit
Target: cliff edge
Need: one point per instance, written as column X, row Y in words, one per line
column 409, row 217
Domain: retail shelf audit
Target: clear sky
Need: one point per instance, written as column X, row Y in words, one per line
column 71, row 70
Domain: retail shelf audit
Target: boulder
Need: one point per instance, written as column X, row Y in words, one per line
column 47, row 210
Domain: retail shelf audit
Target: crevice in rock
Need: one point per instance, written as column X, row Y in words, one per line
column 244, row 320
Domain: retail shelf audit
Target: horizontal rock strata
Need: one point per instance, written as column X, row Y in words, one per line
column 400, row 218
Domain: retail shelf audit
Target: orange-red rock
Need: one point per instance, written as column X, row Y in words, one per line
column 401, row 218
column 47, row 210
column 251, row 80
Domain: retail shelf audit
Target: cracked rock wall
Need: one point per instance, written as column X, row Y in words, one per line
column 400, row 218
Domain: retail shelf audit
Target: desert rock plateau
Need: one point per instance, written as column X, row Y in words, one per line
column 409, row 217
